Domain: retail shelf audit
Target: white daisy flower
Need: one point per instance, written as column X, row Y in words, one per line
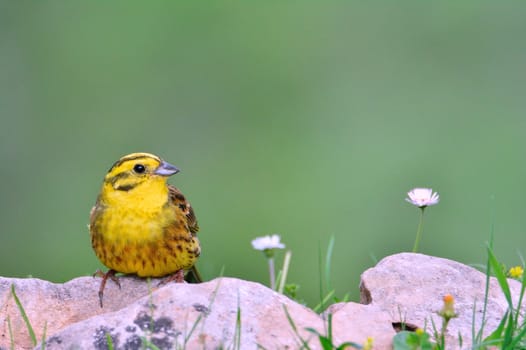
column 267, row 242
column 422, row 197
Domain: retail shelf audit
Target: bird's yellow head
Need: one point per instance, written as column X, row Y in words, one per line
column 137, row 177
column 135, row 169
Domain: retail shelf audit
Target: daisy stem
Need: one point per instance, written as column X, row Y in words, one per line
column 271, row 272
column 419, row 230
column 286, row 263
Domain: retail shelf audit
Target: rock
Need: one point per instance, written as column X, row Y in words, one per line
column 54, row 306
column 197, row 316
column 410, row 288
column 359, row 322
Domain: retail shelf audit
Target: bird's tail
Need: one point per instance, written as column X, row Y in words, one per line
column 193, row 276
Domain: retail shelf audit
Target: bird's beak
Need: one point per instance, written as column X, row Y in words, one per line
column 166, row 169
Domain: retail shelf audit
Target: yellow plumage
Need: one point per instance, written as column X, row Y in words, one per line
column 140, row 224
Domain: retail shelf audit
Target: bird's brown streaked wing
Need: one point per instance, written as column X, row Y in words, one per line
column 180, row 201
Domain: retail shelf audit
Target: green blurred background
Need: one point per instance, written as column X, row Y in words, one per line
column 301, row 119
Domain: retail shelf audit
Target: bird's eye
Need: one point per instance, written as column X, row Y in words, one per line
column 139, row 168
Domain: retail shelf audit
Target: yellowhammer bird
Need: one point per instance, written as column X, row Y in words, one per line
column 140, row 224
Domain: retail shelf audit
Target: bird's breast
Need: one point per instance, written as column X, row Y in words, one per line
column 134, row 224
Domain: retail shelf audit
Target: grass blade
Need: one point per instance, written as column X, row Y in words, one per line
column 329, row 327
column 109, row 341
column 521, row 295
column 501, row 277
column 320, row 271
column 11, row 338
column 478, row 337
column 510, row 328
column 326, row 343
column 349, row 344
column 43, row 341
column 313, row 331
column 304, row 343
column 496, row 335
column 520, row 336
column 291, row 321
column 146, row 344
column 192, row 330
column 283, row 275
column 201, row 317
column 328, row 259
column 318, row 308
column 237, row 334
column 24, row 316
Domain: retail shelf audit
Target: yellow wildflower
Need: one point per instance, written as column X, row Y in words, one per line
column 516, row 272
column 448, row 311
column 368, row 344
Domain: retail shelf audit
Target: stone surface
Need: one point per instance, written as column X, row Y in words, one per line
column 168, row 316
column 357, row 322
column 55, row 306
column 410, row 288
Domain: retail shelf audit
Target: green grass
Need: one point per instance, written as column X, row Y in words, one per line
column 29, row 327
column 511, row 331
column 109, row 341
column 303, row 343
column 24, row 316
column 327, row 297
column 11, row 337
column 237, row 332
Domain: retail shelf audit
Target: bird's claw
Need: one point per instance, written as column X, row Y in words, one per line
column 111, row 275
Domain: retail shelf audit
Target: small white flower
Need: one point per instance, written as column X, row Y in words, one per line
column 267, row 242
column 422, row 197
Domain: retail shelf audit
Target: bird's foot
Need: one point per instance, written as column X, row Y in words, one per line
column 111, row 275
column 178, row 277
